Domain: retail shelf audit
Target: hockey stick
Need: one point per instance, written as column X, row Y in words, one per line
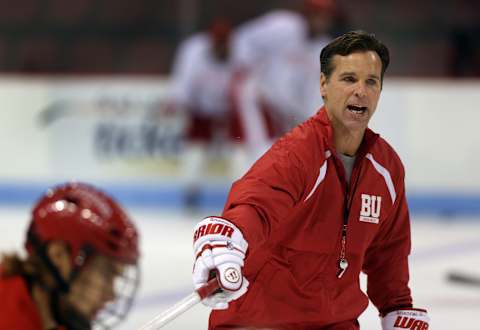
column 462, row 278
column 182, row 306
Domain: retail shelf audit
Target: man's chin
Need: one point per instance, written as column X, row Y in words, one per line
column 356, row 126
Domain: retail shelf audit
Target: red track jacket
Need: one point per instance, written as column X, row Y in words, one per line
column 291, row 207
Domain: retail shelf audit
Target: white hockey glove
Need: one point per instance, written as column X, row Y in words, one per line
column 219, row 246
column 408, row 318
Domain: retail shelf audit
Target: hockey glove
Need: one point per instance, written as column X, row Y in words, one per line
column 408, row 318
column 219, row 248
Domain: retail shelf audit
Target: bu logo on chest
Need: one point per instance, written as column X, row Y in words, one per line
column 370, row 208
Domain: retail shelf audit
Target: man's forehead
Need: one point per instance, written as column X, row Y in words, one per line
column 356, row 61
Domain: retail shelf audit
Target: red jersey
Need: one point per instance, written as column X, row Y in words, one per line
column 292, row 206
column 18, row 310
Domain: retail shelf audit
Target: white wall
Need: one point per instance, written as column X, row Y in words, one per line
column 433, row 124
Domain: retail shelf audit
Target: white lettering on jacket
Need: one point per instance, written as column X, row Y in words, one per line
column 370, row 208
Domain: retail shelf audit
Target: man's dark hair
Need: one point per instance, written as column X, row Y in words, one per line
column 353, row 42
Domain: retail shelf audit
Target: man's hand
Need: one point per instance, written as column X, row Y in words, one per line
column 408, row 318
column 219, row 248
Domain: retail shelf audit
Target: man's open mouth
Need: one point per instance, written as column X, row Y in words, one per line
column 356, row 109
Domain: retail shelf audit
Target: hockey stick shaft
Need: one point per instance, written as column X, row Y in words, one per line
column 182, row 306
column 464, row 279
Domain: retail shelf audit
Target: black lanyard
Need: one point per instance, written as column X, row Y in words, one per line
column 342, row 261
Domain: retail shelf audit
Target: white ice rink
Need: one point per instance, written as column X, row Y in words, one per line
column 439, row 246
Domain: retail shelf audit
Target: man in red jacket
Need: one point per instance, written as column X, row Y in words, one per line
column 326, row 202
column 82, row 248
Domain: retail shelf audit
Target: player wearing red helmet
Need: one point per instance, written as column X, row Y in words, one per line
column 82, row 249
column 319, row 16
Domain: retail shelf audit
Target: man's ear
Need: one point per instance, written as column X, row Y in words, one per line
column 323, row 84
column 59, row 254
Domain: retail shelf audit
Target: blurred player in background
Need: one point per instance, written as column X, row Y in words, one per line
column 201, row 87
column 81, row 265
column 245, row 88
column 324, row 203
column 279, row 50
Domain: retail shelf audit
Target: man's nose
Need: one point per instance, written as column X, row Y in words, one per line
column 360, row 90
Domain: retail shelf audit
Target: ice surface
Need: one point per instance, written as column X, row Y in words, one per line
column 440, row 245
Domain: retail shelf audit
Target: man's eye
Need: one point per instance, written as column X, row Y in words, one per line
column 349, row 79
column 371, row 82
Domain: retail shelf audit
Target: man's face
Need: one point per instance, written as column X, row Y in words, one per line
column 351, row 93
column 94, row 286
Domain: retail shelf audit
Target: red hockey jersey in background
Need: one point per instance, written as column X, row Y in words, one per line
column 291, row 206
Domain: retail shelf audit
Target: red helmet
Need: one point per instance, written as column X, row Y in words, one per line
column 322, row 6
column 86, row 219
column 220, row 30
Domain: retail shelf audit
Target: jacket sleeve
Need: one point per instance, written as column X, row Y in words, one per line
column 386, row 260
column 261, row 201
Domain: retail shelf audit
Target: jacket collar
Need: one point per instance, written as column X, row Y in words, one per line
column 369, row 138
